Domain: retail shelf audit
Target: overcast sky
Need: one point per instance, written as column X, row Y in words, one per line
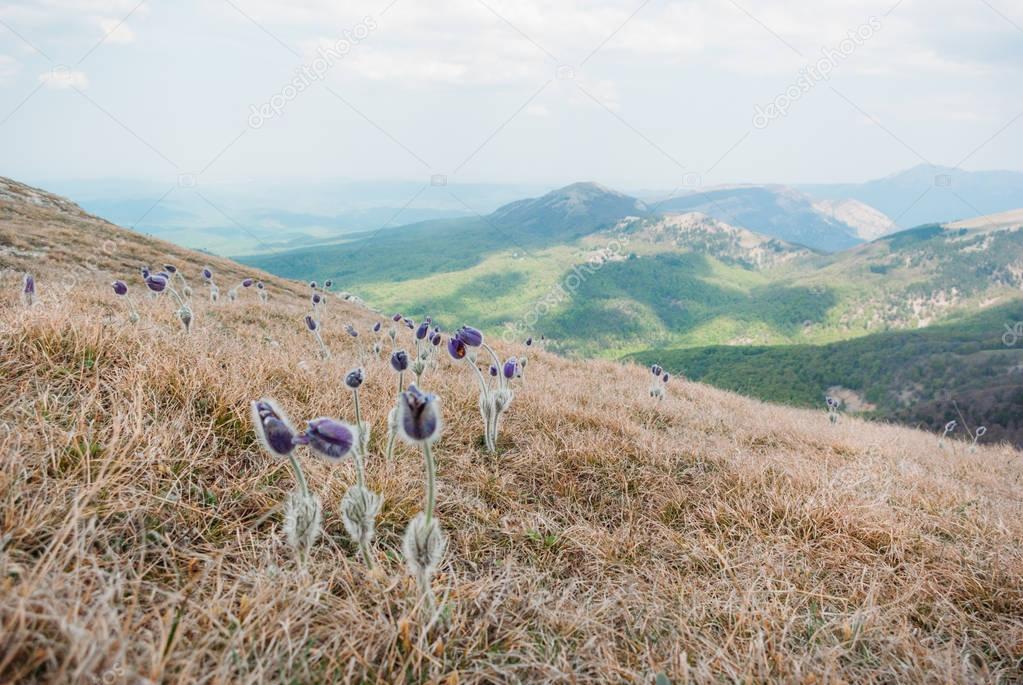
column 629, row 93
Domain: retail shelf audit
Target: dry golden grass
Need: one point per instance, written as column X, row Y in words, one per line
column 707, row 537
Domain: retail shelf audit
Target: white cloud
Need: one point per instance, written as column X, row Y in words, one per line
column 116, row 31
column 61, row 78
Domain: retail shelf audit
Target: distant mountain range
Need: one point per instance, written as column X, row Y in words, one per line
column 930, row 194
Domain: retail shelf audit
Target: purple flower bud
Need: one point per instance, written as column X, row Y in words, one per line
column 409, row 323
column 350, row 329
column 29, row 285
column 316, row 298
column 470, row 336
column 511, row 368
column 419, row 418
column 355, row 378
column 312, row 284
column 656, row 370
column 327, row 284
column 272, row 427
column 157, row 283
column 493, row 371
column 423, row 329
column 399, row 360
column 145, row 272
column 666, row 377
column 529, row 341
column 428, row 320
column 259, row 284
column 120, row 287
column 376, row 327
column 311, row 323
column 247, row 283
column 329, row 438
column 396, row 318
column 170, row 268
column 436, row 339
column 207, row 273
column 456, row 348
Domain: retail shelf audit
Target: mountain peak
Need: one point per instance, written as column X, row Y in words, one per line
column 576, row 209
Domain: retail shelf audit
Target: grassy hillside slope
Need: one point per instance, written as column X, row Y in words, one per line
column 707, row 537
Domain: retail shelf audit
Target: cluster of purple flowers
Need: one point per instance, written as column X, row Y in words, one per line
column 834, row 407
column 495, row 392
column 157, row 284
column 660, row 385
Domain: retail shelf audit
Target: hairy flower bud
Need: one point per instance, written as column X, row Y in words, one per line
column 157, row 283
column 329, row 438
column 419, row 418
column 355, row 378
column 273, row 428
column 303, row 520
column 470, row 336
column 423, row 546
column 359, row 510
column 399, row 360
column 120, row 287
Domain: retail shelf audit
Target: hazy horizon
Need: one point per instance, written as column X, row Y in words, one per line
column 634, row 95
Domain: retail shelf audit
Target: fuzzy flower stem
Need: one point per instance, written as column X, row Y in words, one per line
column 299, row 475
column 431, row 478
column 497, row 361
column 323, row 348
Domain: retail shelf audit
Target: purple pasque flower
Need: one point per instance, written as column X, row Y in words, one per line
column 529, row 342
column 376, row 327
column 350, row 329
column 493, row 371
column 328, row 284
column 470, row 336
column 144, row 270
column 170, row 268
column 157, row 282
column 259, row 285
column 316, row 299
column 312, row 284
column 28, row 285
column 409, row 323
column 355, row 378
column 399, row 360
column 419, row 419
column 436, row 339
column 456, row 348
column 311, row 323
column 396, row 318
column 423, row 329
column 207, row 273
column 511, row 368
column 247, row 283
column 273, row 428
column 120, row 287
column 666, row 377
column 329, row 438
column 656, row 370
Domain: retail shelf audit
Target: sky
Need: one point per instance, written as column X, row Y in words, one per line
column 634, row 94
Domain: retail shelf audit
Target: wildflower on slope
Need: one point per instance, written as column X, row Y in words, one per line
column 314, row 327
column 399, row 362
column 28, row 290
column 977, row 435
column 949, row 427
column 424, row 543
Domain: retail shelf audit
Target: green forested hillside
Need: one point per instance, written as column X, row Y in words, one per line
column 908, row 376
